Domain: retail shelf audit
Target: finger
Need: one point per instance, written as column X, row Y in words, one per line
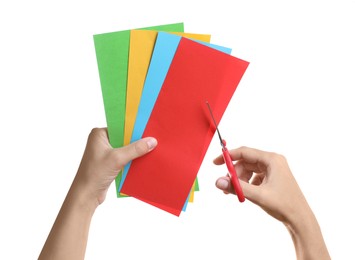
column 243, row 172
column 251, row 156
column 253, row 167
column 134, row 150
column 224, row 184
column 100, row 134
column 96, row 132
column 250, row 173
column 219, row 160
column 258, row 179
column 251, row 192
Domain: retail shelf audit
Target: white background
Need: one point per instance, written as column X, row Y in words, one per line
column 296, row 98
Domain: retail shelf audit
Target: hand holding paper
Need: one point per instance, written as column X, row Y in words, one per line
column 112, row 61
column 167, row 80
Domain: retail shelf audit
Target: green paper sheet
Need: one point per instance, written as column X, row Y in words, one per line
column 112, row 60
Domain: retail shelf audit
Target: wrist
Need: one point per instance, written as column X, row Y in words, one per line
column 81, row 197
column 307, row 237
column 299, row 216
column 301, row 224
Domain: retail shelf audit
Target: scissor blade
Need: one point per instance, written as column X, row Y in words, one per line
column 214, row 121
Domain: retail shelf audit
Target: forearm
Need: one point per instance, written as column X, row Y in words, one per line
column 307, row 238
column 69, row 234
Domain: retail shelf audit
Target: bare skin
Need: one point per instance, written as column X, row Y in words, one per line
column 99, row 167
column 265, row 177
column 267, row 181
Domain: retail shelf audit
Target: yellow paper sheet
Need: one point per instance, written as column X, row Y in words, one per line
column 192, row 193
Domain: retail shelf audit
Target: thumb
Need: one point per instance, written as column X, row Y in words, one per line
column 134, row 150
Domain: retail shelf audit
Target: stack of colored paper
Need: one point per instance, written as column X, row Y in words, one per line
column 155, row 82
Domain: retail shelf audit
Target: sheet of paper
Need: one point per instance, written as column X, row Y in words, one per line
column 141, row 48
column 192, row 194
column 112, row 59
column 181, row 123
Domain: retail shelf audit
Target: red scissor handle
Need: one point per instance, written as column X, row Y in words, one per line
column 232, row 173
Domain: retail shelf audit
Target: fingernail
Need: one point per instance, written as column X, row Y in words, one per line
column 222, row 184
column 152, row 142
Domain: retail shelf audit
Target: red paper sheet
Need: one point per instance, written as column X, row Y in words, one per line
column 182, row 125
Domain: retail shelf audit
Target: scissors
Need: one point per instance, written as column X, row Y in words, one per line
column 228, row 160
